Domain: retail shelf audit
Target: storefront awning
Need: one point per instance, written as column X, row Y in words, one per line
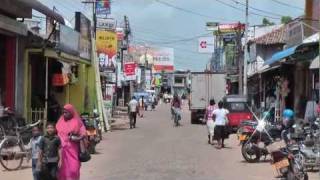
column 302, row 51
column 280, row 55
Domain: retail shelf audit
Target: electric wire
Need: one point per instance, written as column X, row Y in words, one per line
column 239, row 9
column 190, row 11
column 261, row 10
column 288, row 5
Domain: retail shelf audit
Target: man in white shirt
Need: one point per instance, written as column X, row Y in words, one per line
column 221, row 121
column 133, row 109
column 153, row 101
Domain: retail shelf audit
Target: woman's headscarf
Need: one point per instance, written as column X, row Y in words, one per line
column 74, row 125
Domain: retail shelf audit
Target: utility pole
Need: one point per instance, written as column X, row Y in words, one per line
column 246, row 55
column 94, row 16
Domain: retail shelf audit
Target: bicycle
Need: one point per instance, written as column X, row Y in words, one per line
column 12, row 148
column 176, row 116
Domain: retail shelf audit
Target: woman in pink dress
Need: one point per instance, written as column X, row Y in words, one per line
column 70, row 130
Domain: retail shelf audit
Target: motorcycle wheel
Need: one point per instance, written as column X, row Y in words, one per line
column 249, row 154
column 291, row 176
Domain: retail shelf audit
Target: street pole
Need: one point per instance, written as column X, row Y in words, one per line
column 319, row 63
column 94, row 16
column 245, row 91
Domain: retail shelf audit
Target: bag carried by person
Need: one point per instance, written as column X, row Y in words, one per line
column 84, row 155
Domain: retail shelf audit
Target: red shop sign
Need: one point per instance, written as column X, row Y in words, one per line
column 130, row 68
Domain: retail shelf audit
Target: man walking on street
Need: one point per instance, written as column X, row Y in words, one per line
column 133, row 109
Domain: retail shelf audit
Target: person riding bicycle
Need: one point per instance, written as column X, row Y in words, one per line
column 176, row 105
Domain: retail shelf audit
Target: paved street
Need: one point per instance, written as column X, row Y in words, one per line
column 156, row 150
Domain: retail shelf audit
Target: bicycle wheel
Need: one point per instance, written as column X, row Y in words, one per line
column 2, row 132
column 11, row 154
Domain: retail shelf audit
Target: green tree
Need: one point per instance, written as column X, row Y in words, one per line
column 286, row 19
column 266, row 22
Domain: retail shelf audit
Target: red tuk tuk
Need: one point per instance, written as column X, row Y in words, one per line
column 238, row 108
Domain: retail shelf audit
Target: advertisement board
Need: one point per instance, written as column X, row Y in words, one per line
column 103, row 8
column 83, row 26
column 231, row 27
column 163, row 59
column 206, row 45
column 107, row 45
column 107, row 24
column 130, row 70
column 69, row 40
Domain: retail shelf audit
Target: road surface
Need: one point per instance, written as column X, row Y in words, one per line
column 156, row 150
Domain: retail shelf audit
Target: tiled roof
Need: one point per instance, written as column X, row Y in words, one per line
column 276, row 36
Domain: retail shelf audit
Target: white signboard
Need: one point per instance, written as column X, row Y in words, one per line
column 109, row 24
column 206, row 44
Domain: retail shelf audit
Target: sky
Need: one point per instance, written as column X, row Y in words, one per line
column 178, row 23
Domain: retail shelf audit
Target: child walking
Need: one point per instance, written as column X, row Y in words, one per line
column 35, row 149
column 50, row 154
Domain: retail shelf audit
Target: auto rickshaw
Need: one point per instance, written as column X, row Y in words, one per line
column 238, row 110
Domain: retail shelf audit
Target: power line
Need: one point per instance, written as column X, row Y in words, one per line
column 252, row 13
column 288, row 5
column 261, row 10
column 190, row 11
column 141, row 41
column 182, row 40
column 173, row 41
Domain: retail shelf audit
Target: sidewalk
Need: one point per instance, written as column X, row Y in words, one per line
column 120, row 122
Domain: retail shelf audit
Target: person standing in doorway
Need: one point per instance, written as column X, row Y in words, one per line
column 221, row 121
column 133, row 110
column 209, row 120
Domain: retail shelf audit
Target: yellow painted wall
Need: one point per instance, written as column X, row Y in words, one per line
column 77, row 91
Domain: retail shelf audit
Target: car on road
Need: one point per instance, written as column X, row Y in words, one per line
column 238, row 110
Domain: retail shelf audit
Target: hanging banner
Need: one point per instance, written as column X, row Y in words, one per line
column 130, row 70
column 103, row 8
column 107, row 45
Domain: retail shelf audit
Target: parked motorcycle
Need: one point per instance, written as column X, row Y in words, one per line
column 94, row 133
column 287, row 161
column 254, row 137
column 308, row 138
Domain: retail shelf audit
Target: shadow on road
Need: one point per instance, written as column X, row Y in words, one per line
column 259, row 162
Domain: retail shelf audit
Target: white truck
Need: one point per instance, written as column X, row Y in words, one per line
column 205, row 86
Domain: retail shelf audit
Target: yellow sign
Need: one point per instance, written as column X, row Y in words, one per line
column 107, row 43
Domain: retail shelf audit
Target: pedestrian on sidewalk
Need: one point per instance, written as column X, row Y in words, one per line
column 153, row 102
column 221, row 121
column 50, row 154
column 35, row 149
column 209, row 120
column 133, row 110
column 70, row 131
column 141, row 107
